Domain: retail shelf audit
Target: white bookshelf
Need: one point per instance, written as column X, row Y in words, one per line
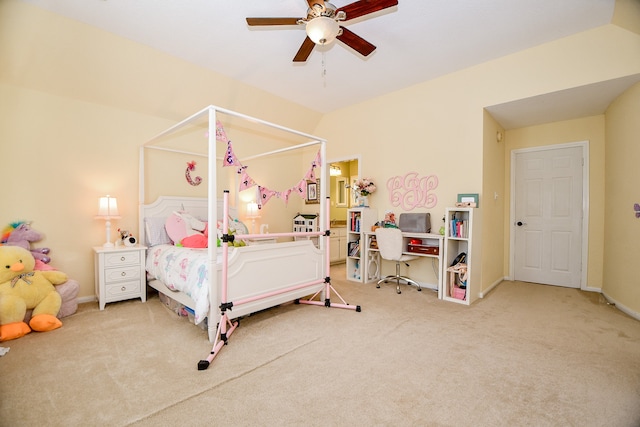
column 359, row 221
column 459, row 238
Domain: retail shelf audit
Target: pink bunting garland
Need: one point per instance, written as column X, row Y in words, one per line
column 230, row 158
column 246, row 182
column 265, row 195
column 220, row 133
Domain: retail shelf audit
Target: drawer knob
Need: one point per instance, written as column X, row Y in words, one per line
column 122, row 258
column 124, row 273
column 124, row 288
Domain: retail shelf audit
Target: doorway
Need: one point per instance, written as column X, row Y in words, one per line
column 342, row 172
column 549, row 214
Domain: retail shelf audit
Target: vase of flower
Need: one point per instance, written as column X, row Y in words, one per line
column 363, row 188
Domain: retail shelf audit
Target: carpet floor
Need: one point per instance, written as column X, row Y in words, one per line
column 525, row 355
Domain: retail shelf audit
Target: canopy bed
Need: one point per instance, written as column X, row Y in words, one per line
column 247, row 279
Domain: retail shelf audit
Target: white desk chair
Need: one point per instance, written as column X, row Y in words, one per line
column 390, row 247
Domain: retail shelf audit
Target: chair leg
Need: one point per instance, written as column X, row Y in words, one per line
column 397, row 277
column 385, row 280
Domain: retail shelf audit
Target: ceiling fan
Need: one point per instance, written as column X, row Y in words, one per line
column 323, row 24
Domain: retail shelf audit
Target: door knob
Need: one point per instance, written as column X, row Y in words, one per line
column 520, row 223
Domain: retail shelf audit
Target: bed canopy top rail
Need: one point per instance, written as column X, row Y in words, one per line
column 173, row 150
column 206, row 110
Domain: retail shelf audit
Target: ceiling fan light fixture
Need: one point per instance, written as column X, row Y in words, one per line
column 322, row 30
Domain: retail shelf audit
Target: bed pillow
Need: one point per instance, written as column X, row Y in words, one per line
column 238, row 226
column 181, row 224
column 155, row 232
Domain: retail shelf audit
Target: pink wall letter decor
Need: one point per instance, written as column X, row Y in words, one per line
column 191, row 166
column 411, row 191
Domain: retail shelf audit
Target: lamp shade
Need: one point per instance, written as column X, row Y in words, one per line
column 107, row 210
column 252, row 210
column 322, row 30
column 108, row 207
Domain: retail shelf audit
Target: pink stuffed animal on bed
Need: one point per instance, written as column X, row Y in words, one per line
column 186, row 230
column 21, row 234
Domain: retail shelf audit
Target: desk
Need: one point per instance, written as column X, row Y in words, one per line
column 373, row 260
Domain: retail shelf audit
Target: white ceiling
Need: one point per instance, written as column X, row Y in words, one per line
column 416, row 41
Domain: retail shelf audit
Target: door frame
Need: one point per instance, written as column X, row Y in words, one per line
column 339, row 160
column 585, row 205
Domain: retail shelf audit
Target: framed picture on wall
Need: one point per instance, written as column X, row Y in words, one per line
column 313, row 192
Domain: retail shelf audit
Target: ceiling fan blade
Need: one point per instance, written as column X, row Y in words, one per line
column 320, row 3
column 365, row 7
column 273, row 21
column 356, row 42
column 304, row 51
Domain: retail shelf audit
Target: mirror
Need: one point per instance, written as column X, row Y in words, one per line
column 341, row 192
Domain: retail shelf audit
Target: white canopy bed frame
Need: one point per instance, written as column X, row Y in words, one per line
column 250, row 278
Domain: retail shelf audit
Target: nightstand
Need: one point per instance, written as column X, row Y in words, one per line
column 120, row 273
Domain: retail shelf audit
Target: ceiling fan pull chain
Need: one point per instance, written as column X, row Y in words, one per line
column 324, row 69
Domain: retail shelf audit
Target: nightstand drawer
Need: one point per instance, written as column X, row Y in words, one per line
column 121, row 258
column 120, row 274
column 119, row 290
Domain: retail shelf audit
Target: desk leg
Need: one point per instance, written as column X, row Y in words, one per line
column 373, row 266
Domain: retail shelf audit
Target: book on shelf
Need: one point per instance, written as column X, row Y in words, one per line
column 459, row 228
column 354, row 249
column 355, row 221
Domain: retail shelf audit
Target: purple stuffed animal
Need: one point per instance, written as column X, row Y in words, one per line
column 21, row 234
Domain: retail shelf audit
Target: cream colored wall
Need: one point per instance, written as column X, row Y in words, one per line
column 590, row 129
column 626, row 15
column 493, row 203
column 76, row 103
column 621, row 227
column 85, row 99
column 438, row 127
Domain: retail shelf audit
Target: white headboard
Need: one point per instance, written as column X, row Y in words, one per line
column 166, row 205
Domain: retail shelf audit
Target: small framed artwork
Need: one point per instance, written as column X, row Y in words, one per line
column 313, row 191
column 469, row 200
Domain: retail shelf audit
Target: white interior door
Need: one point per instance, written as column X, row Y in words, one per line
column 548, row 216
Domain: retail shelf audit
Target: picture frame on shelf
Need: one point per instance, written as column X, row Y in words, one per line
column 468, row 200
column 313, row 192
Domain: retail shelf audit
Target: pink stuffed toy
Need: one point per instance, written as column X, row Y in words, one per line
column 21, row 234
column 186, row 230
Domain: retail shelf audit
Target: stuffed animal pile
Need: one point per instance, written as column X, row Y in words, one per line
column 188, row 231
column 21, row 234
column 23, row 288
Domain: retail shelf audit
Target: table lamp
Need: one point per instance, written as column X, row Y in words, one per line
column 253, row 213
column 108, row 209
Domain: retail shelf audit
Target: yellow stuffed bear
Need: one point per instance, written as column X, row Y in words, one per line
column 22, row 288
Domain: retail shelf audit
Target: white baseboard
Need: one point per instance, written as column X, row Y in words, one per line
column 82, row 300
column 491, row 287
column 622, row 307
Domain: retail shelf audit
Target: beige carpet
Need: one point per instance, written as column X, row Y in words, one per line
column 526, row 355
